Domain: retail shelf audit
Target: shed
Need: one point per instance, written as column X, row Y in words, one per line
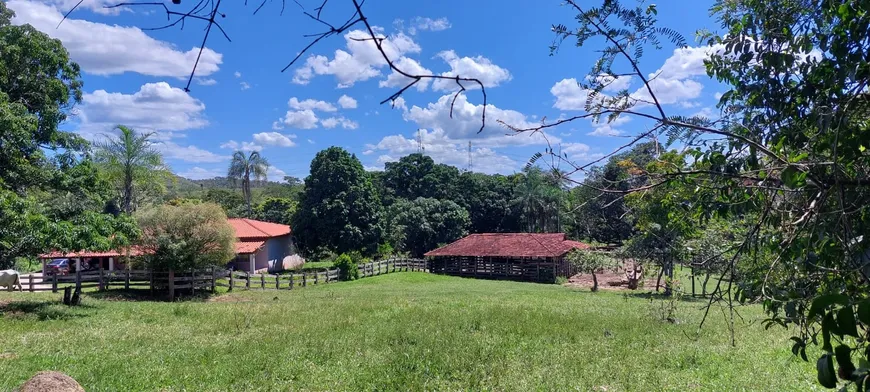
column 534, row 257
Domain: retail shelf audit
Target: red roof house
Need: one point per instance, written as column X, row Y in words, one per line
column 260, row 245
column 538, row 257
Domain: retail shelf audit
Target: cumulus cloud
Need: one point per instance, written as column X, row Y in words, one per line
column 411, row 67
column 275, row 173
column 274, row 139
column 205, row 82
column 333, row 122
column 478, row 67
column 346, row 102
column 155, row 107
column 442, row 149
column 245, row 85
column 312, row 104
column 103, row 49
column 198, row 173
column 243, row 146
column 359, row 61
column 171, row 150
column 237, row 74
column 302, row 119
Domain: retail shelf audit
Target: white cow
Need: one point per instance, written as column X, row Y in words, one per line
column 10, row 279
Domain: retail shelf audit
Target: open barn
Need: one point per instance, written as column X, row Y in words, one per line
column 532, row 257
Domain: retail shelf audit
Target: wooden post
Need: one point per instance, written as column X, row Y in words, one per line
column 693, row 280
column 231, row 280
column 316, row 277
column 248, row 280
column 213, row 279
column 30, row 281
column 127, row 279
column 53, row 283
column 304, row 279
column 151, row 282
column 78, row 279
column 192, row 282
column 78, row 264
column 171, row 285
column 101, row 286
column 291, row 281
column 277, row 282
column 262, row 281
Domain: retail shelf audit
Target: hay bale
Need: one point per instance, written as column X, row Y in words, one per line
column 51, row 381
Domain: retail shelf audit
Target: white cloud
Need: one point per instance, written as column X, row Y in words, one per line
column 717, row 95
column 243, row 146
column 442, row 149
column 274, row 139
column 312, row 104
column 333, row 122
column 237, row 74
column 569, row 95
column 399, row 102
column 611, row 83
column 347, row 102
column 466, row 121
column 303, row 119
column 205, row 82
column 605, row 130
column 275, row 173
column 155, row 107
column 707, row 113
column 195, row 154
column 428, row 24
column 310, row 141
column 198, row 173
column 96, row 6
column 688, row 104
column 245, row 85
column 479, row 67
column 411, row 67
column 360, row 61
column 103, row 49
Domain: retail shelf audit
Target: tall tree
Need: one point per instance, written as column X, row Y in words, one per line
column 340, row 209
column 539, row 196
column 423, row 224
column 38, row 87
column 130, row 161
column 244, row 167
column 417, row 175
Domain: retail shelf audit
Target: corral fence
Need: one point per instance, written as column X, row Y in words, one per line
column 206, row 280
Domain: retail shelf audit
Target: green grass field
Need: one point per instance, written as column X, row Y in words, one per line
column 402, row 331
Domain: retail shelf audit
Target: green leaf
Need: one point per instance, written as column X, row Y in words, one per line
column 792, row 177
column 844, row 358
column 864, row 312
column 828, row 326
column 861, row 148
column 846, row 322
column 822, row 302
column 825, row 371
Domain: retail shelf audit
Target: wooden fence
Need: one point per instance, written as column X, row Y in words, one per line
column 206, row 279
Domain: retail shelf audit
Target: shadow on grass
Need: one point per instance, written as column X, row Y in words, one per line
column 41, row 310
column 654, row 295
column 146, row 295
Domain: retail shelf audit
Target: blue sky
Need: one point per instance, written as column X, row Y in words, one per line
column 241, row 100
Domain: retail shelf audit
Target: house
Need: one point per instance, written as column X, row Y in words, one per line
column 535, row 257
column 260, row 246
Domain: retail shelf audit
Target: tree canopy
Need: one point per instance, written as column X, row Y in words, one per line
column 186, row 236
column 420, row 225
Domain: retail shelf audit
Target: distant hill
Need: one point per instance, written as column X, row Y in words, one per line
column 185, row 187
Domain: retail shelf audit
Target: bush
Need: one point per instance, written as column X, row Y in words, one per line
column 358, row 258
column 348, row 269
column 186, row 236
column 385, row 250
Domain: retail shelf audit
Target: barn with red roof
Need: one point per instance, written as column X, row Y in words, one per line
column 536, row 257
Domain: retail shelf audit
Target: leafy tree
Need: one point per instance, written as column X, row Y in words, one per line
column 539, row 197
column 40, row 163
column 417, row 175
column 347, row 267
column 232, row 203
column 489, row 202
column 130, row 161
column 276, row 210
column 423, row 224
column 590, row 262
column 186, row 236
column 340, row 209
column 244, row 167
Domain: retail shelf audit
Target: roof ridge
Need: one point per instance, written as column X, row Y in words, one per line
column 248, row 221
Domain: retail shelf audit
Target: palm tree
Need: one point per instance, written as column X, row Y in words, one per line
column 130, row 160
column 244, row 167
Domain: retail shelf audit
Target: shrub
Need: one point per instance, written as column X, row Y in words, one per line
column 348, row 269
column 186, row 236
column 384, row 250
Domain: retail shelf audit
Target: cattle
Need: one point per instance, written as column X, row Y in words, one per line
column 10, row 279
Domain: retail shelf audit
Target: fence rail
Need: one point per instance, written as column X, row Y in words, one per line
column 207, row 279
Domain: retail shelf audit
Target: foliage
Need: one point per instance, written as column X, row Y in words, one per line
column 232, row 203
column 385, row 250
column 489, row 200
column 340, row 209
column 276, row 210
column 401, row 320
column 417, row 175
column 245, row 167
column 539, row 196
column 423, row 224
column 348, row 268
column 591, row 262
column 133, row 165
column 187, row 236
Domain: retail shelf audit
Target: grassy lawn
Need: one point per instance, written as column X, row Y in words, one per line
column 403, row 331
column 314, row 266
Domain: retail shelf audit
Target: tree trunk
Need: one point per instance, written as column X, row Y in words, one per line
column 704, row 285
column 594, row 282
column 127, row 196
column 246, row 190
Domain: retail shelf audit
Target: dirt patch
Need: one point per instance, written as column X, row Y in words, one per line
column 51, row 382
column 609, row 280
column 8, row 356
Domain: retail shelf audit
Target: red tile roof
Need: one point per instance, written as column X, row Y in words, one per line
column 246, row 247
column 109, row 253
column 510, row 245
column 249, row 229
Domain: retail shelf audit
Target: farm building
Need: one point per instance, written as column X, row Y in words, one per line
column 260, row 246
column 534, row 257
